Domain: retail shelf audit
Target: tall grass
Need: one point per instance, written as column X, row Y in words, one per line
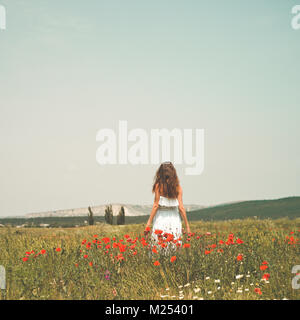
column 61, row 264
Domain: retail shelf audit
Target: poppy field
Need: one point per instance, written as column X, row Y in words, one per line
column 236, row 259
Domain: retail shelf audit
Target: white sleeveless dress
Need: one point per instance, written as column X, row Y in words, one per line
column 167, row 218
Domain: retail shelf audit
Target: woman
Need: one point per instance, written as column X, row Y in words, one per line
column 167, row 203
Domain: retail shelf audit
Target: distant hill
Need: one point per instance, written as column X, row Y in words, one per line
column 262, row 209
column 131, row 210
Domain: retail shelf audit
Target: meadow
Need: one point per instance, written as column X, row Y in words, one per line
column 235, row 259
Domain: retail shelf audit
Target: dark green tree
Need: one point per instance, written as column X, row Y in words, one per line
column 121, row 216
column 109, row 215
column 91, row 217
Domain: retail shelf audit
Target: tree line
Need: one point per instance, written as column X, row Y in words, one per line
column 109, row 217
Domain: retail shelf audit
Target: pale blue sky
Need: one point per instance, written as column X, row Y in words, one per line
column 69, row 69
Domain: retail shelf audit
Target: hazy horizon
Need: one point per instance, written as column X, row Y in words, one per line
column 70, row 69
column 141, row 204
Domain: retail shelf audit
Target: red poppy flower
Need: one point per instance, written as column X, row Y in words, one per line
column 239, row 257
column 266, row 276
column 25, row 259
column 173, row 258
column 292, row 240
column 156, row 263
column 207, row 251
column 264, row 262
column 91, row 263
column 85, row 256
column 58, row 249
column 43, row 251
column 170, row 237
column 154, row 249
column 258, row 291
column 122, row 247
column 120, row 257
column 263, row 267
column 157, row 231
column 106, row 240
column 186, row 245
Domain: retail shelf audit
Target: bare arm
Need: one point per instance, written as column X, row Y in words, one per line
column 182, row 210
column 154, row 208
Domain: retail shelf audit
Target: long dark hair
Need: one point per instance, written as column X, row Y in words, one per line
column 166, row 180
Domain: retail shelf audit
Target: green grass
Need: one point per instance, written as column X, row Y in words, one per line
column 68, row 275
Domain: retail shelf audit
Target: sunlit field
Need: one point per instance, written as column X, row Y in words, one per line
column 238, row 259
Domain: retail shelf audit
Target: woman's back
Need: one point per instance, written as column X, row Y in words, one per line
column 167, row 202
column 168, row 208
